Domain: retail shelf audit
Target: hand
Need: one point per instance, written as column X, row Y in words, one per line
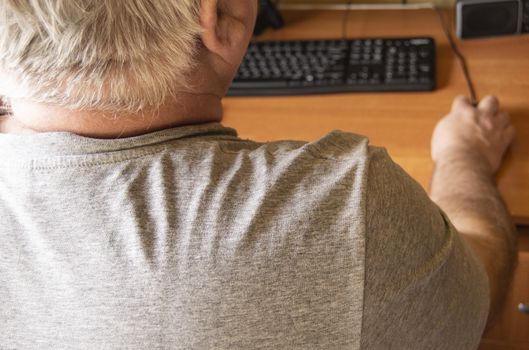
column 479, row 134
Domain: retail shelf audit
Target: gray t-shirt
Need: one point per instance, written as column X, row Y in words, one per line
column 191, row 238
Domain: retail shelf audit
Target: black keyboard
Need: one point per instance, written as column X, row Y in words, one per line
column 332, row 66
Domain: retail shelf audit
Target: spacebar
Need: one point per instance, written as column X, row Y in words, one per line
column 259, row 84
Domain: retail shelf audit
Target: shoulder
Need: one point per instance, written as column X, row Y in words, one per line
column 336, row 145
column 337, row 158
column 424, row 288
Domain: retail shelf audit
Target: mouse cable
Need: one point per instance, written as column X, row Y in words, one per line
column 461, row 58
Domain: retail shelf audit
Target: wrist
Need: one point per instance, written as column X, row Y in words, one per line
column 464, row 160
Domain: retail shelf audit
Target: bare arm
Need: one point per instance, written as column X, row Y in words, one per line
column 467, row 147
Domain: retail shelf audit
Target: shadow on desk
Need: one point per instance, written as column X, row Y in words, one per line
column 519, row 118
column 513, row 175
column 511, row 331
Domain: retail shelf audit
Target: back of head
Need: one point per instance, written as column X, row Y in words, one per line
column 107, row 55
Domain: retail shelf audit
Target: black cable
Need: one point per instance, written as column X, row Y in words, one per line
column 345, row 19
column 459, row 55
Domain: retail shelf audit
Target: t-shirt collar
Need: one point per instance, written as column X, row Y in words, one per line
column 69, row 144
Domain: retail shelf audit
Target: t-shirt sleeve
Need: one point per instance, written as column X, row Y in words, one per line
column 424, row 287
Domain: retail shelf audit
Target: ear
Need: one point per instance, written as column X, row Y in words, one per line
column 227, row 27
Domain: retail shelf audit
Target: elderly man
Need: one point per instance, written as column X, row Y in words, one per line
column 131, row 219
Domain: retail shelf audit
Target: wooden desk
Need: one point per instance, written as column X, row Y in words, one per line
column 401, row 122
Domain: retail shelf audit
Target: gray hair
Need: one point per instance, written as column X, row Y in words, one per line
column 107, row 55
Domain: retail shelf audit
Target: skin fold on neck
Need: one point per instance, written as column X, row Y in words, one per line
column 29, row 117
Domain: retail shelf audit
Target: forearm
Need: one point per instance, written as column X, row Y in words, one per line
column 463, row 188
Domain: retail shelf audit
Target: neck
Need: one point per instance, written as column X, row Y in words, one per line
column 188, row 109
